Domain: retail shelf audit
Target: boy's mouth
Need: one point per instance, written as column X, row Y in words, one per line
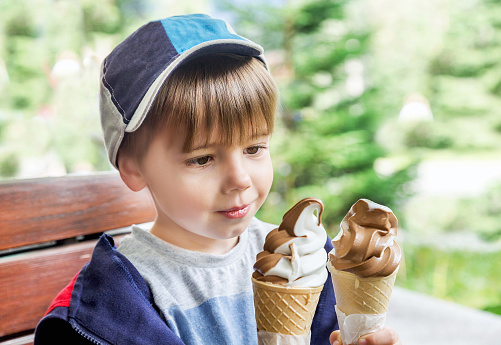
column 236, row 212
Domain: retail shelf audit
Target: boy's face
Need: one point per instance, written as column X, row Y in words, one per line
column 206, row 198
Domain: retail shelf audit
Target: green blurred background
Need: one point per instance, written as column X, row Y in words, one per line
column 392, row 100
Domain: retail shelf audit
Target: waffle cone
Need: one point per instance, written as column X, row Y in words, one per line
column 356, row 295
column 284, row 310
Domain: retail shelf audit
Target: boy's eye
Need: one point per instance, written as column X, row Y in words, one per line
column 200, row 161
column 254, row 150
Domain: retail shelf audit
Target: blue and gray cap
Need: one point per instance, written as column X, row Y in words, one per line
column 133, row 73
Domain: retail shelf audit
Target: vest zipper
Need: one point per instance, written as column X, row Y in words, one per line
column 84, row 334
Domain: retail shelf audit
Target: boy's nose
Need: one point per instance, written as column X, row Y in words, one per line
column 236, row 177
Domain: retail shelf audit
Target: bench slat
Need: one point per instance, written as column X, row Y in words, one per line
column 51, row 209
column 26, row 340
column 30, row 281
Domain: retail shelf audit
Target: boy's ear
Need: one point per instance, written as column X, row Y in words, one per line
column 131, row 174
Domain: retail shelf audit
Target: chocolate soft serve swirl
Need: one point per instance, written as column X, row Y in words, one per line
column 294, row 253
column 365, row 246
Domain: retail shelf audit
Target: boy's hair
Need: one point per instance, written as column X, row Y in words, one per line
column 230, row 93
column 133, row 74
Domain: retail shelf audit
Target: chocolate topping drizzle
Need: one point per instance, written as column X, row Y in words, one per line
column 366, row 246
column 268, row 258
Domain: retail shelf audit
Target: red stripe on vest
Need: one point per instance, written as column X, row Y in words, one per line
column 63, row 298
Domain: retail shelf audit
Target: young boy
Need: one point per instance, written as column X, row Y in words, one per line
column 187, row 109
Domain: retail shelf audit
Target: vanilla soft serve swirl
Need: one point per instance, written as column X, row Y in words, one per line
column 294, row 253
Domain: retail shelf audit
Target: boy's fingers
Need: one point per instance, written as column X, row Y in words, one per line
column 334, row 337
column 385, row 336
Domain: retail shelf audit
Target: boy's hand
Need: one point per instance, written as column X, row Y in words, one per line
column 385, row 336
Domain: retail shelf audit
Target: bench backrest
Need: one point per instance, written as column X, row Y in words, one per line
column 48, row 228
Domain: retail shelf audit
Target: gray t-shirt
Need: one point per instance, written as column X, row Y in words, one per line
column 204, row 298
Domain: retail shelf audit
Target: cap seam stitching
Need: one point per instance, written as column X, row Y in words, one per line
column 113, row 95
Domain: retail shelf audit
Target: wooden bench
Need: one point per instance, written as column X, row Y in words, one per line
column 48, row 228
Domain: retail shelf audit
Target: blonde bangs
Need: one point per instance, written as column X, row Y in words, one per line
column 231, row 95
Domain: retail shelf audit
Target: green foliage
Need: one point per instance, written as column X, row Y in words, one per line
column 331, row 147
column 8, row 165
column 496, row 309
column 468, row 277
column 18, row 19
column 426, row 134
column 313, row 13
column 456, row 215
column 23, row 58
column 56, row 110
column 105, row 18
column 465, row 76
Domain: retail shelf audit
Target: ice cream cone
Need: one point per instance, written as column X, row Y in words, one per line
column 284, row 310
column 355, row 295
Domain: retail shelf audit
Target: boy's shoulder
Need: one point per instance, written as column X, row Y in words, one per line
column 108, row 279
column 258, row 230
column 258, row 225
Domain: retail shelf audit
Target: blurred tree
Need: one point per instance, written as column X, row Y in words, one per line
column 465, row 77
column 27, row 84
column 462, row 82
column 50, row 54
column 326, row 146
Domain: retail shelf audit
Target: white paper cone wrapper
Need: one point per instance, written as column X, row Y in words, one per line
column 269, row 338
column 354, row 326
